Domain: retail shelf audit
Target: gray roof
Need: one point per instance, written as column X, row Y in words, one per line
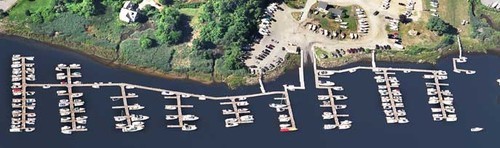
column 337, row 12
column 322, row 5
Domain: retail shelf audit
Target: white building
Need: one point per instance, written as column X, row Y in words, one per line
column 128, row 13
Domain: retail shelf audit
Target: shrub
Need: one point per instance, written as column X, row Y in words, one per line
column 146, row 42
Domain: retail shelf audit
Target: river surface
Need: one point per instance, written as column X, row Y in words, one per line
column 476, row 99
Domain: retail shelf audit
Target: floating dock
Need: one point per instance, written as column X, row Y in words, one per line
column 328, row 101
column 71, row 105
column 22, row 71
column 391, row 97
column 180, row 117
column 286, row 120
column 238, row 109
column 440, row 97
column 133, row 122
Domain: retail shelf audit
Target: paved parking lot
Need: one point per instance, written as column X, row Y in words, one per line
column 286, row 31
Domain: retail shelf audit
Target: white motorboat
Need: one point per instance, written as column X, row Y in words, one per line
column 29, row 129
column 327, row 115
column 388, row 113
column 274, row 105
column 31, row 114
column 63, row 104
column 120, row 125
column 378, row 77
column 327, row 83
column 340, row 97
column 227, row 111
column 476, row 129
column 329, row 126
column 340, row 106
column 135, row 107
column 189, row 117
column 449, row 109
column 74, row 65
column 436, row 110
column 139, row 117
column 403, row 120
column 61, row 92
column 323, row 97
column 344, row 126
column 231, row 122
column 171, row 117
column 65, row 119
column 66, row 130
column 242, row 103
column 187, row 127
column 284, row 125
column 170, row 107
column 247, row 118
column 166, row 93
column 132, row 128
column 338, row 88
column 325, row 72
column 82, row 118
column 120, row 118
column 451, row 118
column 83, row 121
column 76, row 95
column 79, row 110
column 284, row 118
column 390, row 120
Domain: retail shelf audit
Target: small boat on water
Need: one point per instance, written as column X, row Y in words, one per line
column 476, row 129
column 187, row 127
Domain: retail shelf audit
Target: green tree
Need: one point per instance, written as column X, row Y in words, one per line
column 146, row 42
column 84, row 8
column 167, row 26
column 37, row 18
column 439, row 26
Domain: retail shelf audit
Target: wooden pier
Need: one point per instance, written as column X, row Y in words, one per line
column 446, row 111
column 180, row 117
column 20, row 105
column 238, row 108
column 389, row 92
column 68, row 76
column 286, row 120
column 132, row 124
column 329, row 102
column 461, row 59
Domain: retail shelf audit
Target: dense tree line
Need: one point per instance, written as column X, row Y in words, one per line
column 228, row 25
column 439, row 26
column 167, row 26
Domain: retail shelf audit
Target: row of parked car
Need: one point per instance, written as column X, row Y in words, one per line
column 265, row 52
column 363, row 26
column 267, row 18
column 434, row 5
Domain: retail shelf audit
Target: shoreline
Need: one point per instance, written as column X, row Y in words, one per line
column 177, row 76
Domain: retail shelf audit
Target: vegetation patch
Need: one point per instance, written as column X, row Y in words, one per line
column 296, row 4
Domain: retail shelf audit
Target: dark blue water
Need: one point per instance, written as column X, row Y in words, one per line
column 476, row 99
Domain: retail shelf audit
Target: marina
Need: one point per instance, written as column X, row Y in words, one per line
column 238, row 109
column 440, row 97
column 391, row 98
column 71, row 105
column 180, row 117
column 23, row 105
column 133, row 122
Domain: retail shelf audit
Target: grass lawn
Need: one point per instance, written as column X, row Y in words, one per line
column 193, row 13
column 296, row 15
column 351, row 19
column 297, row 4
column 17, row 13
column 330, row 24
